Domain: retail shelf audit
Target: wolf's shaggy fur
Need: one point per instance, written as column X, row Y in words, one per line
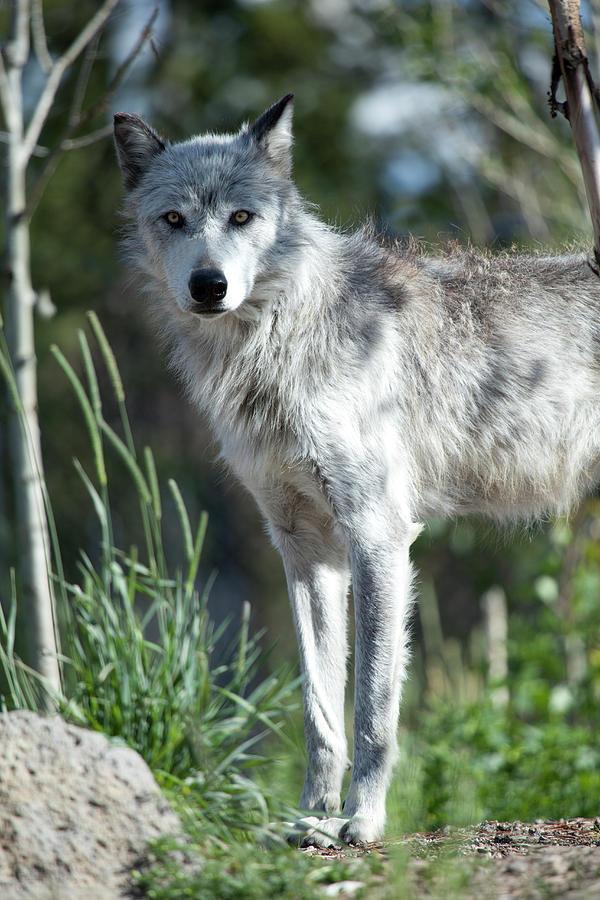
column 357, row 388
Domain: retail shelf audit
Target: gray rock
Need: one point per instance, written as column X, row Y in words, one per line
column 76, row 811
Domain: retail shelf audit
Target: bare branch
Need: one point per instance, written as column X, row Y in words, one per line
column 5, row 138
column 46, row 99
column 145, row 33
column 6, row 99
column 86, row 140
column 82, row 82
column 570, row 50
column 12, row 60
column 17, row 51
column 38, row 32
column 119, row 75
column 66, row 142
column 528, row 131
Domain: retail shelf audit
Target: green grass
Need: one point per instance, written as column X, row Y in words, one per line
column 246, row 871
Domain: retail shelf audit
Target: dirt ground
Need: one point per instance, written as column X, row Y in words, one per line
column 520, row 860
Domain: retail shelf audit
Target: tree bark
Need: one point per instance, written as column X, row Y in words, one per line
column 36, row 606
column 570, row 50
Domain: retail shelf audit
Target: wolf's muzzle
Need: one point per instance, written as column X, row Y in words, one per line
column 207, row 287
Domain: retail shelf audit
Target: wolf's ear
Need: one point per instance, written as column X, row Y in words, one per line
column 273, row 132
column 136, row 144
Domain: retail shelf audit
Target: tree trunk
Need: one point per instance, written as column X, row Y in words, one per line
column 36, row 608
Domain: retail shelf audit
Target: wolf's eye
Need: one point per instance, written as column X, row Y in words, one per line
column 174, row 218
column 241, row 217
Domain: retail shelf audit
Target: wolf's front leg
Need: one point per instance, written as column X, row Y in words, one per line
column 318, row 599
column 382, row 592
column 317, row 571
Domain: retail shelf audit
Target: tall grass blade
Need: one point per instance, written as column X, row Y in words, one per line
column 197, row 552
column 108, row 355
column 115, row 378
column 88, row 412
column 97, row 502
column 125, row 454
column 184, row 520
column 153, row 482
column 91, row 375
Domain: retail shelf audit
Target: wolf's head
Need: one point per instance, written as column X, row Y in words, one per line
column 210, row 211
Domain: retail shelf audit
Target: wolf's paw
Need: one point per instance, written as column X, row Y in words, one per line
column 331, row 832
column 314, row 831
column 359, row 830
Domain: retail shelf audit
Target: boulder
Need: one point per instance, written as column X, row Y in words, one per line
column 76, row 811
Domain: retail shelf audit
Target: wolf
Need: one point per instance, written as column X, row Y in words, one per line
column 357, row 386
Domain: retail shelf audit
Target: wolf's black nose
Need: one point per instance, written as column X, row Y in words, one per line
column 207, row 287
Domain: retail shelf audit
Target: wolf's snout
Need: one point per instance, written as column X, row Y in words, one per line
column 207, row 288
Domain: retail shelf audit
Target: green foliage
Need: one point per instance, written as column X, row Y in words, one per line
column 197, row 723
column 471, row 755
column 479, row 762
column 245, row 871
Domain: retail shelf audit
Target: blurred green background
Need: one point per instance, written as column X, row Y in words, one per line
column 431, row 118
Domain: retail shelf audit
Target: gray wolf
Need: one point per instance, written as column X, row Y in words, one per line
column 357, row 387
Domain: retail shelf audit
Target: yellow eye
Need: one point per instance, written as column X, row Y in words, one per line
column 174, row 218
column 241, row 217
